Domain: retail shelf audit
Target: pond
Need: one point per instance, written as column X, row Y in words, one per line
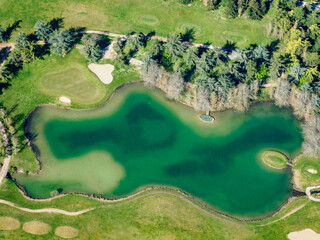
column 140, row 138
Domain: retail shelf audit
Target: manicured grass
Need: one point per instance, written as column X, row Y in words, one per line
column 303, row 175
column 156, row 216
column 125, row 16
column 77, row 83
column 274, row 159
column 26, row 91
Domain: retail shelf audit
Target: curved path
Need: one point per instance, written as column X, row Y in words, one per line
column 46, row 210
column 308, row 192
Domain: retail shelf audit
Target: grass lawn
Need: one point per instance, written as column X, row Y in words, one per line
column 304, row 174
column 274, row 159
column 43, row 81
column 125, row 16
column 156, row 216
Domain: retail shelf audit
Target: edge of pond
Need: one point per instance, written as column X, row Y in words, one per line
column 151, row 188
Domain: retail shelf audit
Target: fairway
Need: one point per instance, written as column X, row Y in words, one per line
column 73, row 82
column 125, row 16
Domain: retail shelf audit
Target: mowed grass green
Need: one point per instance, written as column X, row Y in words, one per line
column 26, row 91
column 74, row 82
column 274, row 159
column 125, row 16
column 153, row 216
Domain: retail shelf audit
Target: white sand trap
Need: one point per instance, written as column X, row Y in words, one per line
column 65, row 99
column 9, row 223
column 36, row 227
column 66, row 232
column 312, row 171
column 306, row 234
column 103, row 72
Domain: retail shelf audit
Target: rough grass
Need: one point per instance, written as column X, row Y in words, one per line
column 125, row 16
column 9, row 223
column 36, row 227
column 66, row 232
column 301, row 176
column 274, row 159
column 156, row 216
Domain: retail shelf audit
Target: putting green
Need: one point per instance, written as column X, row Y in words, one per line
column 274, row 159
column 73, row 83
column 188, row 26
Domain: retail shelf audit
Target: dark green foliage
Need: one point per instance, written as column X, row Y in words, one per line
column 174, row 46
column 22, row 41
column 1, row 34
column 42, row 30
column 214, row 4
column 231, row 8
column 91, row 50
column 61, row 42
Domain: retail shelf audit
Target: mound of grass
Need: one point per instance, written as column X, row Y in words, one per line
column 9, row 223
column 302, row 175
column 274, row 159
column 124, row 16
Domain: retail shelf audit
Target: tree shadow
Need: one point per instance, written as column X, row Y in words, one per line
column 7, row 33
column 56, row 23
column 273, row 46
column 77, row 33
column 229, row 46
column 4, row 53
column 41, row 50
column 151, row 34
column 188, row 35
column 104, row 41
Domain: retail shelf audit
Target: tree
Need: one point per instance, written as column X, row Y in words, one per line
column 239, row 97
column 175, row 87
column 296, row 72
column 311, row 135
column 61, row 42
column 21, row 41
column 276, row 67
column 91, row 49
column 202, row 100
column 156, row 50
column 42, row 30
column 213, row 4
column 231, row 8
column 261, row 54
column 151, row 74
column 301, row 103
column 254, row 9
column 174, row 46
column 282, row 93
column 133, row 43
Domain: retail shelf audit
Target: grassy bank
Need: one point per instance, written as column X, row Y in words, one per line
column 156, row 216
column 124, row 16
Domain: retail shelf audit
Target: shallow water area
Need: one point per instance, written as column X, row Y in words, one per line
column 139, row 138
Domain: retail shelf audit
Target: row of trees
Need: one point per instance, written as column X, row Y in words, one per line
column 9, row 144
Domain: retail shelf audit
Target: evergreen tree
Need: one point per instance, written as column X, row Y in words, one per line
column 61, row 42
column 42, row 30
column 2, row 31
column 254, row 9
column 91, row 50
column 231, row 8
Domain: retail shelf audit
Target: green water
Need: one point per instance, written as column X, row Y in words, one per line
column 139, row 138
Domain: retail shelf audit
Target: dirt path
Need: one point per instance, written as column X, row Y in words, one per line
column 285, row 216
column 46, row 210
column 6, row 161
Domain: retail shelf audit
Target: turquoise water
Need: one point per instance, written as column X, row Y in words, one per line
column 151, row 145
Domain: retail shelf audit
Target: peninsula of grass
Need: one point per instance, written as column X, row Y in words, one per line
column 124, row 16
column 274, row 159
column 306, row 172
column 206, row 118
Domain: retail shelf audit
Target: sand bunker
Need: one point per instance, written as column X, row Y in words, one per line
column 312, row 171
column 9, row 223
column 65, row 99
column 36, row 227
column 66, row 232
column 103, row 72
column 304, row 235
